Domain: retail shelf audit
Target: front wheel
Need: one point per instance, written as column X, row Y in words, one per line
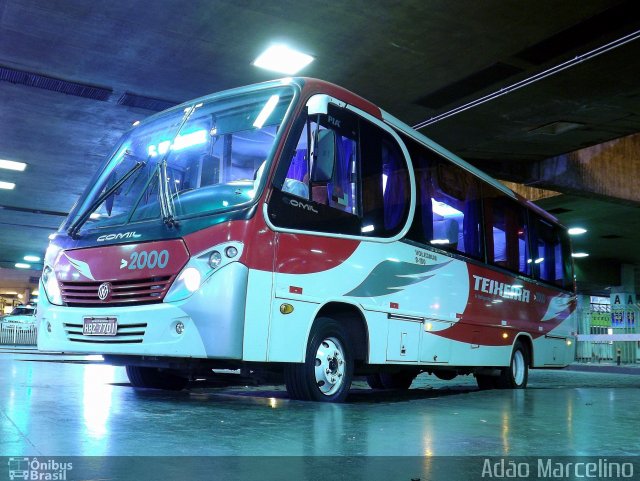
column 327, row 371
column 151, row 377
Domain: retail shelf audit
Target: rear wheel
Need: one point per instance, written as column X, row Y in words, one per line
column 151, row 377
column 327, row 371
column 398, row 381
column 517, row 374
column 513, row 377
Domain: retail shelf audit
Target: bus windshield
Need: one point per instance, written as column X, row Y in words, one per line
column 204, row 158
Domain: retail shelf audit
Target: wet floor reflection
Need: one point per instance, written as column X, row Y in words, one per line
column 97, row 399
column 74, row 409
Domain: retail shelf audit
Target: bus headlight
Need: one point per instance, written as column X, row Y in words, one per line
column 200, row 267
column 191, row 278
column 51, row 286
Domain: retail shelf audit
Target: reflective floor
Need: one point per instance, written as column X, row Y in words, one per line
column 84, row 408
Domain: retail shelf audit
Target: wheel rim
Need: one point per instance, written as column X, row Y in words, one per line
column 330, row 366
column 518, row 367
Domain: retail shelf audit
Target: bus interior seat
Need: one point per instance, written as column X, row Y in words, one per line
column 446, row 229
column 320, row 194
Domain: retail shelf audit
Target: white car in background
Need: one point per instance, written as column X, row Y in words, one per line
column 21, row 317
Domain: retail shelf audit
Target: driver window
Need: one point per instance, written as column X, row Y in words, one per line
column 343, row 175
column 331, row 168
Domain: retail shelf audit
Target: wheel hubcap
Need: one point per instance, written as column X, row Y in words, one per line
column 330, row 366
column 518, row 367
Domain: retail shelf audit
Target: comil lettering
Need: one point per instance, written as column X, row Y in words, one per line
column 302, row 205
column 121, row 235
column 507, row 291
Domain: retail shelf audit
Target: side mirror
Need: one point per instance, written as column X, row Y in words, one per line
column 324, row 157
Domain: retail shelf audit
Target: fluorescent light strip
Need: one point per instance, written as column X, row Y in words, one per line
column 12, row 165
column 31, row 258
column 22, row 265
column 534, row 78
column 7, row 185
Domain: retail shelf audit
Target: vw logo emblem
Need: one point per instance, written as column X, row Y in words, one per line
column 104, row 291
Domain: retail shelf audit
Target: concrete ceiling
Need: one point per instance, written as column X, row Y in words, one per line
column 75, row 74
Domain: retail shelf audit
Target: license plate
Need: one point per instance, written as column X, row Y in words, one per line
column 100, row 326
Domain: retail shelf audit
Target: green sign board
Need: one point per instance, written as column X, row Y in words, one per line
column 601, row 319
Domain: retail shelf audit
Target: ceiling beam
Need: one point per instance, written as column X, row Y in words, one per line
column 607, row 171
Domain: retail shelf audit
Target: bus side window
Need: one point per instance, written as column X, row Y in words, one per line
column 455, row 203
column 385, row 183
column 552, row 254
column 506, row 228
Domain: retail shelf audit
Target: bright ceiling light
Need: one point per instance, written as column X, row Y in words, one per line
column 576, row 231
column 12, row 165
column 94, row 216
column 578, row 255
column 52, row 236
column 31, row 258
column 280, row 58
column 7, row 185
column 22, row 265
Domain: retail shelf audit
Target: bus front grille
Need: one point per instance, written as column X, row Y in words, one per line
column 126, row 334
column 123, row 293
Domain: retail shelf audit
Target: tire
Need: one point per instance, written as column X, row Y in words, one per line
column 151, row 377
column 397, row 381
column 327, row 372
column 374, row 382
column 486, row 382
column 517, row 374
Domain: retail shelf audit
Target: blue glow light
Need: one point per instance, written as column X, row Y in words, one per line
column 185, row 141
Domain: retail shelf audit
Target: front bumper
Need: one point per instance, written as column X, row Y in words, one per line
column 213, row 319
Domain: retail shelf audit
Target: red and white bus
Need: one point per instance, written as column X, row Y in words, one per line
column 293, row 227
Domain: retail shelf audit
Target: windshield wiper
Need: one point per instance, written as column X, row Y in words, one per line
column 166, row 202
column 79, row 222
